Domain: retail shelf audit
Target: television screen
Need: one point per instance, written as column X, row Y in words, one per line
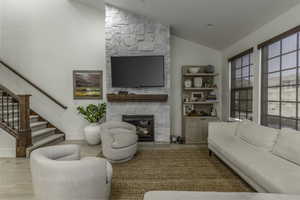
column 137, row 71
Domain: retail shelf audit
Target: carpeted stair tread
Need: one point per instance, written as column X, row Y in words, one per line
column 36, row 124
column 42, row 131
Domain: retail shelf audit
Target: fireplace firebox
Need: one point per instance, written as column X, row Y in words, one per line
column 144, row 125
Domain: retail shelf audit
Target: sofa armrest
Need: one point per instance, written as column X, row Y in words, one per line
column 224, row 128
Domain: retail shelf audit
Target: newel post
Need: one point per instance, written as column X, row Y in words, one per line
column 24, row 134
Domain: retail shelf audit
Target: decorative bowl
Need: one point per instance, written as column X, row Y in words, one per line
column 194, row 70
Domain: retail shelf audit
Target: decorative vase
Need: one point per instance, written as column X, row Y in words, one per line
column 198, row 81
column 188, row 83
column 92, row 134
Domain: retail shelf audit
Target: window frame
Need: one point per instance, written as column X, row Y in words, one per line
column 248, row 111
column 266, row 117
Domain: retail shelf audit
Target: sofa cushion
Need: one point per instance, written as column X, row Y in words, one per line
column 288, row 145
column 259, row 136
column 123, row 139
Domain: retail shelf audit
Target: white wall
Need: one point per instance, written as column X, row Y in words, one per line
column 184, row 52
column 1, row 18
column 279, row 25
column 45, row 40
column 7, row 145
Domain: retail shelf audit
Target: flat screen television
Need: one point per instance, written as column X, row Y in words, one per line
column 137, row 71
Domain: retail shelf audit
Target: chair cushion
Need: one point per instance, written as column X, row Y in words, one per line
column 288, row 145
column 123, row 139
column 260, row 136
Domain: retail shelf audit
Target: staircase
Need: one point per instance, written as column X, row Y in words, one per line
column 30, row 129
column 43, row 133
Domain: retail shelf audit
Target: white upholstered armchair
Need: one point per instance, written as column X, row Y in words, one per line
column 59, row 173
column 119, row 141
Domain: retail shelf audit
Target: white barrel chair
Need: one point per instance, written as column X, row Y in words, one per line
column 119, row 141
column 59, row 173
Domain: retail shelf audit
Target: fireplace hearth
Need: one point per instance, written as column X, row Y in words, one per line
column 144, row 124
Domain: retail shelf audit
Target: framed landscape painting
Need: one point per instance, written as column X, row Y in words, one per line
column 88, row 84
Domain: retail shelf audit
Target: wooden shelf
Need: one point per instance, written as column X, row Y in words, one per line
column 137, row 97
column 200, row 74
column 200, row 89
column 202, row 117
column 202, row 102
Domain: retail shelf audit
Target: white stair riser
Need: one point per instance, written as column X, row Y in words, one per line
column 10, row 118
column 10, row 113
column 37, row 128
column 43, row 136
column 5, row 99
column 34, row 119
column 10, row 106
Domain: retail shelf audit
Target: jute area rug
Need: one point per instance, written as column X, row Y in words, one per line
column 179, row 170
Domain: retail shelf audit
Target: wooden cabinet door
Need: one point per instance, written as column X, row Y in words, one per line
column 196, row 130
column 204, row 131
column 192, row 131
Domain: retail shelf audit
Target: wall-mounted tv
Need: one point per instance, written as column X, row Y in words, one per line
column 137, row 71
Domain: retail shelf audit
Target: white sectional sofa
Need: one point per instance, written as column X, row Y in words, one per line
column 177, row 195
column 268, row 159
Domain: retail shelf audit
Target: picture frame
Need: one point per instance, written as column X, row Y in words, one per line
column 87, row 84
column 197, row 96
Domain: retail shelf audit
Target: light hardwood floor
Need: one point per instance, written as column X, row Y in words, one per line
column 15, row 177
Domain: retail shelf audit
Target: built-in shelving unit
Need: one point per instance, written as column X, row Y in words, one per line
column 199, row 100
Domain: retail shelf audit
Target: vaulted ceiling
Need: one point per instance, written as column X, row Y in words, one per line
column 214, row 23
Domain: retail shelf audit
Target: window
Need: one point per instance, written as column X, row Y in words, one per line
column 242, row 85
column 280, row 101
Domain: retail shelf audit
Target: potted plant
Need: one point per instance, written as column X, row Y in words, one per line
column 94, row 114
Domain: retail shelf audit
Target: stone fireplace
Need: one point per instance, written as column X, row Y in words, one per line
column 128, row 34
column 144, row 126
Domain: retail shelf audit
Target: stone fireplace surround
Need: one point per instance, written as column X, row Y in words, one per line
column 128, row 34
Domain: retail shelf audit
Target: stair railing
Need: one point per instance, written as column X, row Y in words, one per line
column 15, row 118
column 32, row 84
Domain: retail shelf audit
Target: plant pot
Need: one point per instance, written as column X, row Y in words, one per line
column 92, row 134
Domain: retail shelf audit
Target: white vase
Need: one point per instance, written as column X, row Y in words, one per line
column 92, row 134
column 198, row 82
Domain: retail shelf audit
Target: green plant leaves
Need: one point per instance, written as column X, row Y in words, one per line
column 93, row 113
